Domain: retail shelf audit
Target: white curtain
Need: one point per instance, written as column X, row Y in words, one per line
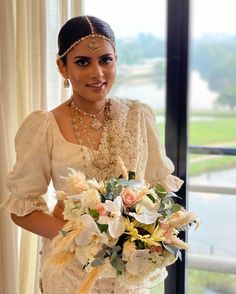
column 25, row 56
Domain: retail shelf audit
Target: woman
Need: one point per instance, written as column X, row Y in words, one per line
column 89, row 132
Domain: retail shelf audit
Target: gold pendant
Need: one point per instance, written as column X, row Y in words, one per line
column 96, row 124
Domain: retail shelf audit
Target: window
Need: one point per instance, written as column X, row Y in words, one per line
column 212, row 125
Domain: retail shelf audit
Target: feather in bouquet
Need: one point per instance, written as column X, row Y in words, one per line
column 120, row 228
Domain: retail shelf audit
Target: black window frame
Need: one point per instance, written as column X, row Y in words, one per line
column 176, row 117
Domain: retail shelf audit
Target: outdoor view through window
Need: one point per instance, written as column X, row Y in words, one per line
column 212, row 123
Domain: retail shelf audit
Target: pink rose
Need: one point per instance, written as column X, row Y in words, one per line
column 129, row 197
column 101, row 209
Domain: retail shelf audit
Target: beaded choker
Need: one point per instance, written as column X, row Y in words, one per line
column 95, row 123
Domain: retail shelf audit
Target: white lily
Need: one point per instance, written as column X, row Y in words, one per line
column 90, row 232
column 146, row 212
column 137, row 265
column 114, row 220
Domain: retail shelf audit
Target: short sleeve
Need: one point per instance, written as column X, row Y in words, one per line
column 31, row 174
column 159, row 167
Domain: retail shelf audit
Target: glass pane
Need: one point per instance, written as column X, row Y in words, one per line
column 207, row 170
column 214, row 237
column 202, row 282
column 141, row 42
column 212, row 123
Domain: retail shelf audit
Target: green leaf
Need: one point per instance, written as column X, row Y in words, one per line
column 94, row 213
column 103, row 252
column 151, row 198
column 118, row 264
column 139, row 244
column 123, row 182
column 176, row 207
column 131, row 175
column 173, row 250
column 160, row 191
column 97, row 262
column 64, row 232
column 102, row 227
column 160, row 188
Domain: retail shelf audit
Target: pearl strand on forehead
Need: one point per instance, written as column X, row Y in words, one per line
column 84, row 38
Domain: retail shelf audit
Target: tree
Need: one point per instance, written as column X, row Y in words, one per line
column 227, row 96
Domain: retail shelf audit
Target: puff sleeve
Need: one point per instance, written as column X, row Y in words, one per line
column 31, row 174
column 159, row 167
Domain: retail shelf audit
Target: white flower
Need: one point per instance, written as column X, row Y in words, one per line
column 139, row 262
column 90, row 232
column 114, row 220
column 90, row 198
column 72, row 209
column 146, row 212
column 129, row 251
column 87, row 253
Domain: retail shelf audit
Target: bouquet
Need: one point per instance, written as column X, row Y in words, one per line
column 120, row 228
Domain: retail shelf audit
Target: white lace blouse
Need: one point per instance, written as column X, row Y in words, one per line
column 43, row 154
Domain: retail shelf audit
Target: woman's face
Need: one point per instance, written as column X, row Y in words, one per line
column 91, row 73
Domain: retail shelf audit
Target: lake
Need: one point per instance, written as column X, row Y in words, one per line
column 201, row 97
column 217, row 233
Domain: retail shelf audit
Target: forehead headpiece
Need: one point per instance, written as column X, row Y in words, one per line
column 94, row 45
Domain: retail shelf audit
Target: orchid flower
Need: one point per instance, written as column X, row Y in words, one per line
column 90, row 232
column 137, row 265
column 146, row 213
column 114, row 218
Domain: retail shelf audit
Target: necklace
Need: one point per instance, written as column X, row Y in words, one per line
column 99, row 160
column 95, row 122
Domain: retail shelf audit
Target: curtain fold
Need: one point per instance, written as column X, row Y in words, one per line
column 8, row 239
column 25, row 57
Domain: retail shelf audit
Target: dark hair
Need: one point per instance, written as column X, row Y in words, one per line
column 78, row 27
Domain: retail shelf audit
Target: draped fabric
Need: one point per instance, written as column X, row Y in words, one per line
column 27, row 56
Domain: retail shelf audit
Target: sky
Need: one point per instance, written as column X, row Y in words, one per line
column 129, row 17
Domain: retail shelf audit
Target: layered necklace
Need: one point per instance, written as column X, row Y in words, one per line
column 96, row 124
column 84, row 137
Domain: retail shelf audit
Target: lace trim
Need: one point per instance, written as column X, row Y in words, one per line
column 24, row 206
column 170, row 183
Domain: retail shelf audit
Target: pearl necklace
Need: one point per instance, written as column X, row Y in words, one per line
column 95, row 122
column 98, row 159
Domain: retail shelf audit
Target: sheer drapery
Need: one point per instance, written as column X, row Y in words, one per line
column 25, row 58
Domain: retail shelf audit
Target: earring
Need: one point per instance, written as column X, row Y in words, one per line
column 66, row 83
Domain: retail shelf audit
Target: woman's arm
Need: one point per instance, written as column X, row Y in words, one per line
column 40, row 223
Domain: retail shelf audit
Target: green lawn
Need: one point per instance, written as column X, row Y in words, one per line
column 220, row 131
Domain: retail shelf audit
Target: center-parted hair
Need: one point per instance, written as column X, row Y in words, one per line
column 77, row 28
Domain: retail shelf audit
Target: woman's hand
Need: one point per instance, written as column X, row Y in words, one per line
column 58, row 210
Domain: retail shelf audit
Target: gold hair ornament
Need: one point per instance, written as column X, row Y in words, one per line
column 94, row 45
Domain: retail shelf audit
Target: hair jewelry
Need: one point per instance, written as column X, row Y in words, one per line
column 94, row 45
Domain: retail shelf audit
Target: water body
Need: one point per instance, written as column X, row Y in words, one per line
column 217, row 233
column 200, row 96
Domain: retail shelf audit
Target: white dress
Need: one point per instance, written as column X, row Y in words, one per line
column 43, row 155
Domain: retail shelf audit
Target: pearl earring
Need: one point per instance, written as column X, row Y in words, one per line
column 66, row 83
